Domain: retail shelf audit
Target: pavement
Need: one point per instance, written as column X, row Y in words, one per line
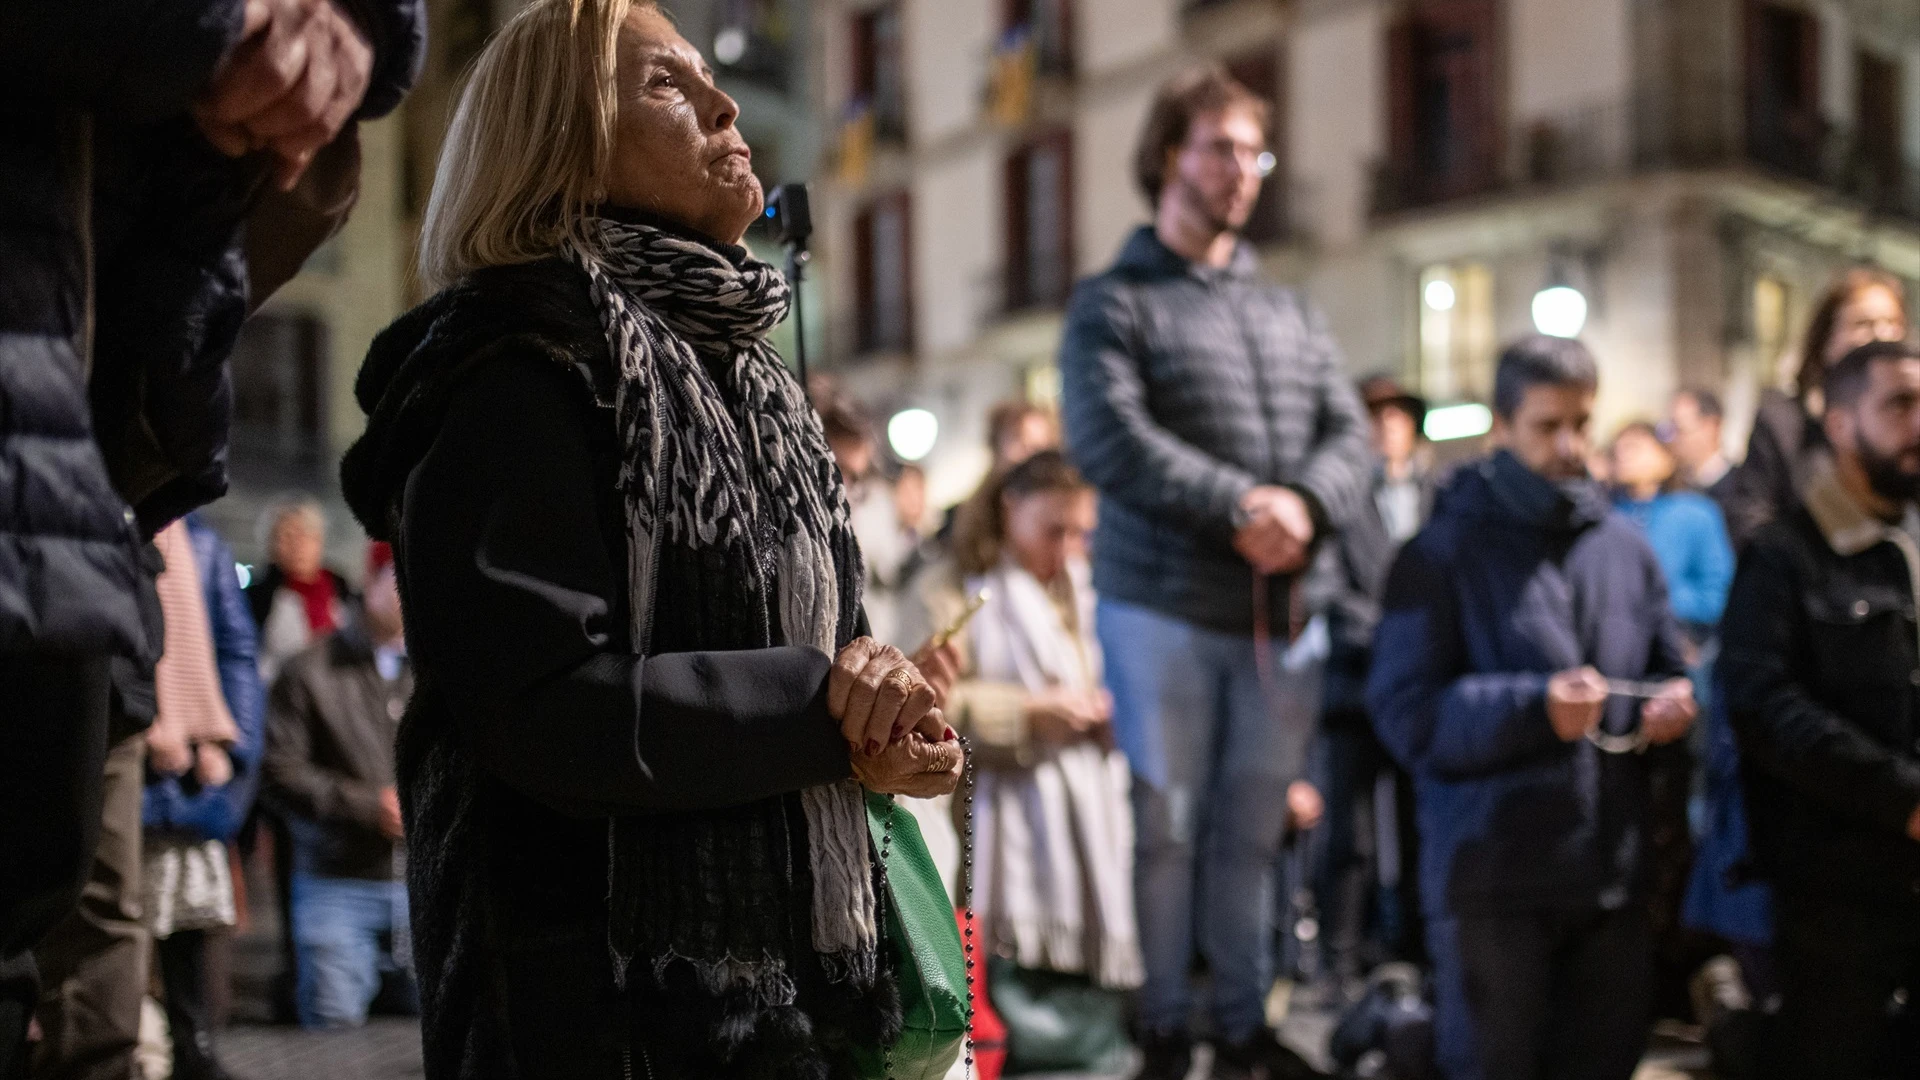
column 388, row 1047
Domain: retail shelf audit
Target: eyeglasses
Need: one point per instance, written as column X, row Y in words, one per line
column 1249, row 158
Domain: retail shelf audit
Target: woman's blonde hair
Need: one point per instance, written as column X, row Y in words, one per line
column 531, row 140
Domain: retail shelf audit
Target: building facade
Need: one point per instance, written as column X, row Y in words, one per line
column 1696, row 170
column 1688, row 172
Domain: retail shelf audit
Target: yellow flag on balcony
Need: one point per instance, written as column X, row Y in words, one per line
column 855, row 150
column 1010, row 81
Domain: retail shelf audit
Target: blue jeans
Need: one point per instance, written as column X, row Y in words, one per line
column 1212, row 753
column 337, row 926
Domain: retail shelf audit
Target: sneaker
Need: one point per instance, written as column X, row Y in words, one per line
column 1264, row 1055
column 1166, row 1056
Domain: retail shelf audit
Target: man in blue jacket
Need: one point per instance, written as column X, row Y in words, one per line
column 1511, row 677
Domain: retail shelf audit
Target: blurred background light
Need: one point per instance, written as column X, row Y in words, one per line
column 729, row 45
column 1438, row 295
column 1559, row 311
column 912, row 433
column 1457, row 422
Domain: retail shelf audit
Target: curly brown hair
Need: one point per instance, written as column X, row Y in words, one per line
column 1180, row 99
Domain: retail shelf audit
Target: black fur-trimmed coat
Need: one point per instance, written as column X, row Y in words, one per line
column 491, row 461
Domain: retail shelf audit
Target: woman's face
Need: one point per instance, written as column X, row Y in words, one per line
column 676, row 152
column 297, row 547
column 1640, row 461
column 1393, row 434
column 1871, row 314
column 1047, row 528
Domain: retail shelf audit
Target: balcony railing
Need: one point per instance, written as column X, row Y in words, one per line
column 1700, row 128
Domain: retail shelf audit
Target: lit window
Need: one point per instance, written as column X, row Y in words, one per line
column 1457, row 343
column 1769, row 324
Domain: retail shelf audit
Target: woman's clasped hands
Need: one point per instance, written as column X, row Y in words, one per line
column 890, row 715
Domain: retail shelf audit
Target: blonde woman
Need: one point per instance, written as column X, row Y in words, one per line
column 1053, row 829
column 632, row 769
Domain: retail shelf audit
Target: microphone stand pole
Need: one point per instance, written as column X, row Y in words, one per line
column 797, row 258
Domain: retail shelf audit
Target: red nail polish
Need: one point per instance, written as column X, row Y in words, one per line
column 898, row 731
column 949, row 735
column 873, row 747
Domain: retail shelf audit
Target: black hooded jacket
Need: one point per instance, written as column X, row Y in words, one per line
column 491, row 461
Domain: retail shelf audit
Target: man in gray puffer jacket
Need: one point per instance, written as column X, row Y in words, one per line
column 1212, row 412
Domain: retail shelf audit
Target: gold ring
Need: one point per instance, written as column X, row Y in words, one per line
column 904, row 679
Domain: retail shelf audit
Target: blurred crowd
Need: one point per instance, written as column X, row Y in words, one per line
column 1066, row 791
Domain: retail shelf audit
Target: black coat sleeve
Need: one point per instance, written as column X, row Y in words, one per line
column 136, row 60
column 1760, row 488
column 397, row 30
column 512, row 601
column 139, row 61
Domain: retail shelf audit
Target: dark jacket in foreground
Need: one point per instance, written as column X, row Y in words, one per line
column 1510, row 582
column 179, row 803
column 492, row 453
column 1786, row 448
column 120, row 222
column 1361, row 557
column 331, row 721
column 1183, row 387
column 1822, row 680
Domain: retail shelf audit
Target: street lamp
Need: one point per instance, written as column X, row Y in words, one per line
column 912, row 433
column 1559, row 311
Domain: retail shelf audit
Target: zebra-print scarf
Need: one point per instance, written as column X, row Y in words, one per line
column 722, row 451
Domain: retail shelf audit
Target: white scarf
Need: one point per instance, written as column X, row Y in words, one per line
column 1053, row 842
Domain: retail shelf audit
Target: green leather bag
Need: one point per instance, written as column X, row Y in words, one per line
column 929, row 963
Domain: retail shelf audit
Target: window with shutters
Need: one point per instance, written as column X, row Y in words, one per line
column 1039, row 201
column 1878, row 130
column 1443, row 102
column 1784, row 125
column 883, row 265
column 1048, row 24
column 879, row 74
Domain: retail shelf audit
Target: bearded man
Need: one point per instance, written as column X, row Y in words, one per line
column 1211, row 410
column 1818, row 655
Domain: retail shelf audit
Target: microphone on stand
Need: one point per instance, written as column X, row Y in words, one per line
column 790, row 220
